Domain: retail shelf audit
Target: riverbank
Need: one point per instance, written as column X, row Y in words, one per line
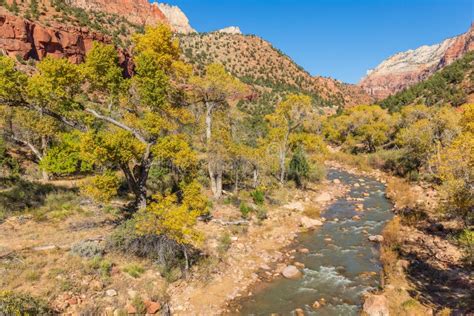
column 424, row 268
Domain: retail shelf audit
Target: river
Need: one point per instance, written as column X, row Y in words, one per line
column 341, row 264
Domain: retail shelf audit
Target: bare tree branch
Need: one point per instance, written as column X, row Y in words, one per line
column 118, row 124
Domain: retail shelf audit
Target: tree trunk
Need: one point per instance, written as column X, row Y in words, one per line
column 44, row 175
column 215, row 174
column 282, row 166
column 209, row 108
column 44, row 149
column 236, row 184
column 255, row 177
column 137, row 179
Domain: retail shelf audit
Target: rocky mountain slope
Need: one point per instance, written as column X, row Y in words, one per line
column 68, row 28
column 257, row 62
column 408, row 68
column 453, row 85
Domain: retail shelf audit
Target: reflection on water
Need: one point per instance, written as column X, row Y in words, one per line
column 339, row 270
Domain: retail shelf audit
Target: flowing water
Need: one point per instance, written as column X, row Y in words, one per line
column 341, row 265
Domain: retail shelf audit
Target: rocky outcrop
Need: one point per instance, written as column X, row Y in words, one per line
column 139, row 12
column 177, row 19
column 376, row 305
column 21, row 38
column 230, row 30
column 408, row 68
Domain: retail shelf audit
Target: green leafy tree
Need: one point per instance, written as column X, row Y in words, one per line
column 290, row 124
column 123, row 119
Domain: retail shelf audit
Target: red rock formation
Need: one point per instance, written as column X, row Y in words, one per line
column 408, row 68
column 22, row 38
column 139, row 12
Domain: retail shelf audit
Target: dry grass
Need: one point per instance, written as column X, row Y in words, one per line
column 400, row 191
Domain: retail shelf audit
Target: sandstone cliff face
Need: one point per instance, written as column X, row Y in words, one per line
column 408, row 68
column 177, row 19
column 20, row 37
column 139, row 12
column 25, row 39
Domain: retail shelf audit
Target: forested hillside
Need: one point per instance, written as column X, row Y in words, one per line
column 452, row 85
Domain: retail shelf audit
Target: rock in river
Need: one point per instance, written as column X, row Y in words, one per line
column 291, row 272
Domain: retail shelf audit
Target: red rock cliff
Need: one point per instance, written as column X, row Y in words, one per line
column 136, row 11
column 20, row 37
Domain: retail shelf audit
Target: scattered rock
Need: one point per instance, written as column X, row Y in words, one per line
column 356, row 218
column 299, row 265
column 316, row 305
column 376, row 238
column 295, row 206
column 303, row 250
column 328, row 239
column 111, row 292
column 310, row 223
column 376, row 305
column 265, row 267
column 291, row 272
column 359, row 207
column 131, row 309
column 356, row 185
column 365, row 194
column 299, row 312
column 336, row 181
column 323, row 197
column 152, row 307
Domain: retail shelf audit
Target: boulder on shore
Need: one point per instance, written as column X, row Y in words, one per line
column 376, row 238
column 310, row 223
column 376, row 305
column 291, row 272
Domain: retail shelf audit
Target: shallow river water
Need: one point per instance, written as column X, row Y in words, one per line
column 341, row 265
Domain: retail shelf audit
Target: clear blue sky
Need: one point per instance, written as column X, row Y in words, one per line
column 337, row 38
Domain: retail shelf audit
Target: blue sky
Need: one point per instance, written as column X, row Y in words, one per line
column 337, row 38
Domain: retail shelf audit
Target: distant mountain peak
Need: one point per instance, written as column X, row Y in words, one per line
column 230, row 30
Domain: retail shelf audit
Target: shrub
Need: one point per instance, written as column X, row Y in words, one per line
column 224, row 243
column 258, row 197
column 163, row 250
column 245, row 210
column 134, row 270
column 22, row 304
column 58, row 205
column 466, row 240
column 87, row 249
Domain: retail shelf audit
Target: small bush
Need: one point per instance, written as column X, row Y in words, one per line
column 87, row 249
column 261, row 214
column 163, row 250
column 22, row 304
column 102, row 188
column 139, row 305
column 224, row 243
column 134, row 270
column 466, row 240
column 171, row 275
column 245, row 210
column 258, row 197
